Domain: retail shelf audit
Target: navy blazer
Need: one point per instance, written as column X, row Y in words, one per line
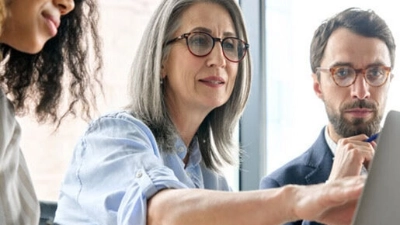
column 311, row 167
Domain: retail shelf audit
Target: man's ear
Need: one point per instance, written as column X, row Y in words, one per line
column 317, row 86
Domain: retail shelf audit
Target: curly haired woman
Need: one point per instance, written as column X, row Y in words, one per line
column 45, row 48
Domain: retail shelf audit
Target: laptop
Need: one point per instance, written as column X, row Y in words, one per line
column 380, row 199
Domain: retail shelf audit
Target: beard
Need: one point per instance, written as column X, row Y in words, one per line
column 346, row 128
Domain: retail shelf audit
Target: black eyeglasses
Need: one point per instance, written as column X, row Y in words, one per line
column 345, row 76
column 201, row 44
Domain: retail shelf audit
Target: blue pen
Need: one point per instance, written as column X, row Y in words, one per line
column 372, row 138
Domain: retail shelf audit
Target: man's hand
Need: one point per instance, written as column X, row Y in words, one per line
column 351, row 155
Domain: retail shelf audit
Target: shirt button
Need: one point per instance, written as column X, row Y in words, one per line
column 139, row 174
column 181, row 149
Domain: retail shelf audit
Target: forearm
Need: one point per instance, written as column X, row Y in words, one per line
column 195, row 206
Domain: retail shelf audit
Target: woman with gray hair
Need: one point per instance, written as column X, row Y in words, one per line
column 158, row 161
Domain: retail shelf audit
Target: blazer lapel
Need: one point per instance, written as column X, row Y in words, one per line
column 321, row 159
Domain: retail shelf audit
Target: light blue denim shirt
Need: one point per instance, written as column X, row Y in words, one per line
column 117, row 166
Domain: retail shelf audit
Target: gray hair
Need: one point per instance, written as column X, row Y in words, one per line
column 147, row 95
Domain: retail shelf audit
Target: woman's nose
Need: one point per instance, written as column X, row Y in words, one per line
column 65, row 6
column 216, row 56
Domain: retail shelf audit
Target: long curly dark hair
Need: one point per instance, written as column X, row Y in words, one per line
column 70, row 61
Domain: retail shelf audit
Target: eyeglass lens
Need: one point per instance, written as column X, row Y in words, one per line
column 201, row 44
column 345, row 76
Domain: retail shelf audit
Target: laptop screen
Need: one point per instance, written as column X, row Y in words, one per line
column 380, row 200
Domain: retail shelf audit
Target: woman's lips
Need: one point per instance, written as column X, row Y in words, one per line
column 53, row 23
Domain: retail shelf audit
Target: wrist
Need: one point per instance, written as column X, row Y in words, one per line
column 291, row 198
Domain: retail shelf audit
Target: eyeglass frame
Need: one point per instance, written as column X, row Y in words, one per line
column 214, row 39
column 363, row 71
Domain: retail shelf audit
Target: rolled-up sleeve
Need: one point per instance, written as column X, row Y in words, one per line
column 115, row 169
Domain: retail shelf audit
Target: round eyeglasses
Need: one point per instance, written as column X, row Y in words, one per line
column 201, row 44
column 345, row 76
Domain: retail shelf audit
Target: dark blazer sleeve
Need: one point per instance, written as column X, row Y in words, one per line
column 268, row 182
column 311, row 167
